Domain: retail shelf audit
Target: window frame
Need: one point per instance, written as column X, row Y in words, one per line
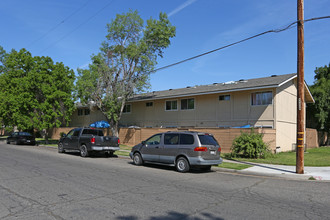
column 80, row 112
column 263, row 101
column 224, row 97
column 187, row 109
column 174, row 100
column 125, row 108
column 151, row 104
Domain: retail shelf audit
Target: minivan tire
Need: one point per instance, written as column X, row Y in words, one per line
column 182, row 165
column 137, row 159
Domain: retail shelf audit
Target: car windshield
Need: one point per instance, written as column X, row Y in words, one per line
column 24, row 134
column 207, row 140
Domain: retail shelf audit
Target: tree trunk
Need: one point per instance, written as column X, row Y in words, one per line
column 114, row 129
column 46, row 135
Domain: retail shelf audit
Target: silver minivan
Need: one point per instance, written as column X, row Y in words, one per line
column 182, row 149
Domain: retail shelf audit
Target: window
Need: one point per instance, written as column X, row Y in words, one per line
column 171, row 105
column 127, row 108
column 80, row 112
column 207, row 140
column 149, row 104
column 92, row 132
column 171, row 139
column 261, row 98
column 76, row 132
column 154, row 140
column 187, row 104
column 186, row 139
column 224, row 98
column 87, row 111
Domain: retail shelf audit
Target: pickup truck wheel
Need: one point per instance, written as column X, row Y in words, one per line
column 60, row 148
column 137, row 159
column 83, row 151
column 182, row 165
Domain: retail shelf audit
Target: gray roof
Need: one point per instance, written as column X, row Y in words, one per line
column 240, row 85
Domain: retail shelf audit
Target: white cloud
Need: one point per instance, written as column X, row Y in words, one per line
column 181, row 7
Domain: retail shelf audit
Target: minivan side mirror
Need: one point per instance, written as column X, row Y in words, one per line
column 63, row 135
column 143, row 142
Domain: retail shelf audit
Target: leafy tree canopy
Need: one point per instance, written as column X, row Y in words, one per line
column 320, row 111
column 35, row 92
column 123, row 65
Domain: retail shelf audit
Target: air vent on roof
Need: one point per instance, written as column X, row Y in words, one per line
column 215, row 83
column 242, row 80
column 273, row 75
column 170, row 89
column 188, row 87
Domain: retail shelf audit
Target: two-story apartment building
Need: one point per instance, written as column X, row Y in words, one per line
column 269, row 102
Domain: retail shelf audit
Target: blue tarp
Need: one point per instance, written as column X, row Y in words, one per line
column 245, row 126
column 100, row 124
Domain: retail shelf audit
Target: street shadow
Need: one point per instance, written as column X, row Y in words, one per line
column 193, row 170
column 174, row 216
column 264, row 166
column 92, row 155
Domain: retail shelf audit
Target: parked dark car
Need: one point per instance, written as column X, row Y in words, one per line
column 183, row 150
column 88, row 140
column 21, row 138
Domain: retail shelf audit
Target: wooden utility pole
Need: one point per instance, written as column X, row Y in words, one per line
column 300, row 95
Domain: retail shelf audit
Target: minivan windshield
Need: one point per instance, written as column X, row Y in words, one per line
column 207, row 140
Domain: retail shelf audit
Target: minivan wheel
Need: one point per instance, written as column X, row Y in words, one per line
column 137, row 159
column 61, row 148
column 83, row 151
column 182, row 165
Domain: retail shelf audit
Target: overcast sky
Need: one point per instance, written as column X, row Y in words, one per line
column 70, row 31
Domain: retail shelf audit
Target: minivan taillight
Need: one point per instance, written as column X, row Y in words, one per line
column 93, row 140
column 219, row 149
column 200, row 149
column 118, row 141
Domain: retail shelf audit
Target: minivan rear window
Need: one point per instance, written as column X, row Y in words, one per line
column 207, row 140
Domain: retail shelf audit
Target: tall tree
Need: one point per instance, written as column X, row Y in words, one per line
column 320, row 111
column 124, row 63
column 35, row 92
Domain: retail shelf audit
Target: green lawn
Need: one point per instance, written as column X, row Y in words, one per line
column 316, row 157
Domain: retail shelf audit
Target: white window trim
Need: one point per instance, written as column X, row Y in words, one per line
column 172, row 110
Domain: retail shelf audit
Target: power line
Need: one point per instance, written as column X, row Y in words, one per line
column 59, row 24
column 87, row 20
column 292, row 25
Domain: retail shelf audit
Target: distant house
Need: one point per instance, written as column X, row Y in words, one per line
column 269, row 102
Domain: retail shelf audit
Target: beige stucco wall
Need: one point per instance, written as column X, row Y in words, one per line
column 208, row 112
column 85, row 120
column 286, row 116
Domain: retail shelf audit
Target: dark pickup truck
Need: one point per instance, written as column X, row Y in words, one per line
column 87, row 140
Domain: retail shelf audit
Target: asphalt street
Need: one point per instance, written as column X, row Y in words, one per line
column 38, row 183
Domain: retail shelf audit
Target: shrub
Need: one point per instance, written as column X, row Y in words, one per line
column 250, row 145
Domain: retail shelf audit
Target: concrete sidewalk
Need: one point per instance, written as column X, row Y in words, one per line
column 318, row 173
